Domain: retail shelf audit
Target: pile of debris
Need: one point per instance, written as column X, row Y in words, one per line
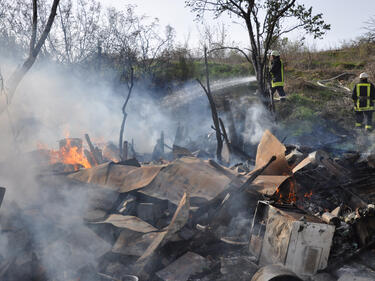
column 300, row 213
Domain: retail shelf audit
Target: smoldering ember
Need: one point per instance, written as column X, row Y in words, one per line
column 127, row 153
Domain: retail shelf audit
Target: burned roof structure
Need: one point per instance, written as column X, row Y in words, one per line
column 298, row 214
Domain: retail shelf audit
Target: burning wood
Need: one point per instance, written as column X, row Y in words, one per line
column 156, row 219
column 70, row 153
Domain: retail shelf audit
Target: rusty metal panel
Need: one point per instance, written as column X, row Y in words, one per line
column 120, row 178
column 196, row 177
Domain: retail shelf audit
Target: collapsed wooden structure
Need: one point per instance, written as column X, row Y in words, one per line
column 194, row 219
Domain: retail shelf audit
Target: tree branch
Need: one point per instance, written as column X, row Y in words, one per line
column 232, row 48
column 20, row 72
column 34, row 27
column 47, row 28
column 214, row 114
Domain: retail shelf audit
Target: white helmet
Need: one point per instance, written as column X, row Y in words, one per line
column 363, row 75
column 275, row 53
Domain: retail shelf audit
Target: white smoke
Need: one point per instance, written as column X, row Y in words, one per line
column 52, row 102
column 257, row 121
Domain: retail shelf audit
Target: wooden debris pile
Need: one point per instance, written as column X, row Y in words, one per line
column 189, row 219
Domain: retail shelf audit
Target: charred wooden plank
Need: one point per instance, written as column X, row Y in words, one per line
column 92, row 150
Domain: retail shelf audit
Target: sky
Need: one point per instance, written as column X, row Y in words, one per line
column 346, row 17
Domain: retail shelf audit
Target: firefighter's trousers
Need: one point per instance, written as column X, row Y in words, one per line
column 360, row 117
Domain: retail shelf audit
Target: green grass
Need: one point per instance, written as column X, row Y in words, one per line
column 223, row 70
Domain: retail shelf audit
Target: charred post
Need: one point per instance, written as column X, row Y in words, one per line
column 214, row 114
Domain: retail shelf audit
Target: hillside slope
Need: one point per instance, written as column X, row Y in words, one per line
column 318, row 85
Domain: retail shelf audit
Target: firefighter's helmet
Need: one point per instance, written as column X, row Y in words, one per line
column 363, row 75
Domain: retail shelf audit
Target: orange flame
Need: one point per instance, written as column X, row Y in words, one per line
column 68, row 154
column 292, row 198
column 73, row 155
column 308, row 194
column 289, row 197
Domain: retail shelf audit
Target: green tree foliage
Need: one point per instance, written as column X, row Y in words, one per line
column 266, row 21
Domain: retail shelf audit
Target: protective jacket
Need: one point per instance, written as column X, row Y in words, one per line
column 277, row 72
column 364, row 96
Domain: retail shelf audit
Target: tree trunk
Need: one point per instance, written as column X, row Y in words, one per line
column 214, row 114
column 258, row 65
column 125, row 152
column 122, row 136
column 130, row 88
column 16, row 78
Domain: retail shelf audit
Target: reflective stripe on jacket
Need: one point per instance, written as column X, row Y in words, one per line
column 277, row 73
column 363, row 96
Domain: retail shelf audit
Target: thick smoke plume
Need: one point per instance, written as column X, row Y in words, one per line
column 54, row 102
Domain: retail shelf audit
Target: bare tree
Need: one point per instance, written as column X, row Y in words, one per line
column 78, row 33
column 370, row 29
column 3, row 11
column 215, row 117
column 119, row 35
column 82, row 27
column 215, row 38
column 137, row 41
column 130, row 85
column 152, row 46
column 16, row 22
column 266, row 22
column 66, row 22
column 34, row 49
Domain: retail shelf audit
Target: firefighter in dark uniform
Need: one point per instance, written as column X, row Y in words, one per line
column 277, row 75
column 364, row 98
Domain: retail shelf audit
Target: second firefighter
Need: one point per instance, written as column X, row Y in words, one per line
column 277, row 75
column 364, row 98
